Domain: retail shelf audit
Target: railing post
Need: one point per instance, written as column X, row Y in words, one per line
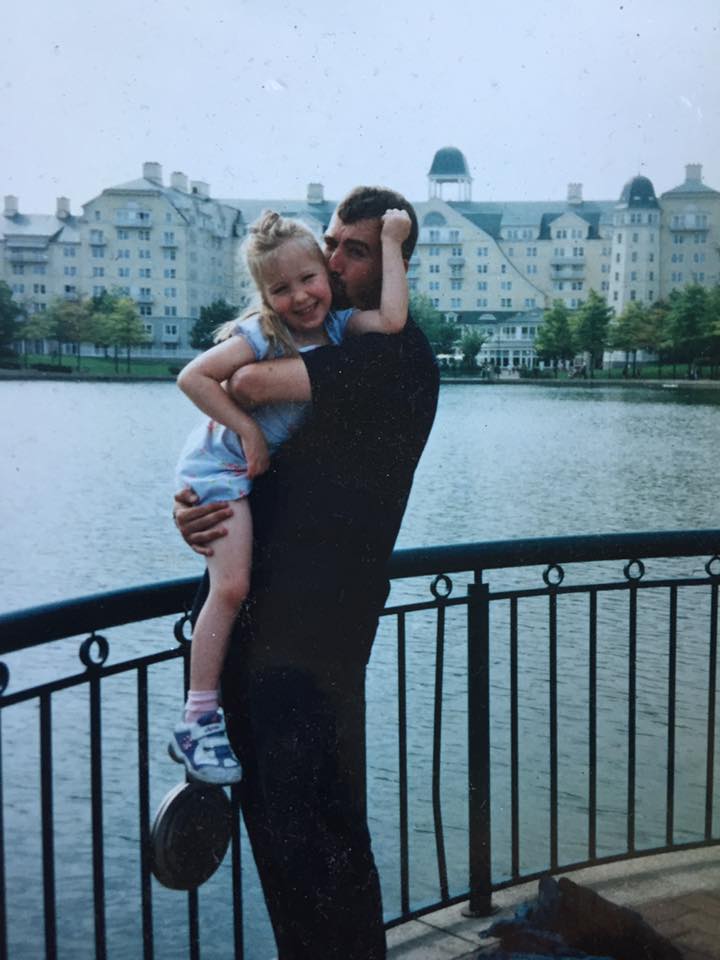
column 480, row 904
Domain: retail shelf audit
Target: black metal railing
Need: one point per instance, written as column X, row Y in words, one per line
column 553, row 711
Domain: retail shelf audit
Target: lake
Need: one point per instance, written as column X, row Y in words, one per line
column 87, row 482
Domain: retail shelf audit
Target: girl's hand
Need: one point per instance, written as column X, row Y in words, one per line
column 396, row 225
column 255, row 449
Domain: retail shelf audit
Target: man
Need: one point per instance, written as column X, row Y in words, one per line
column 326, row 517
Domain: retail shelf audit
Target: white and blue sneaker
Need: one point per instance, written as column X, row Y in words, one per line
column 204, row 748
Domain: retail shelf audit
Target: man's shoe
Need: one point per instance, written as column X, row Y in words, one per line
column 204, row 748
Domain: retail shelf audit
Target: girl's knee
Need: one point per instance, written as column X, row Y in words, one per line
column 231, row 592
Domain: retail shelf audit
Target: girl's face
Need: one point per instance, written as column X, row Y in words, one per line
column 296, row 286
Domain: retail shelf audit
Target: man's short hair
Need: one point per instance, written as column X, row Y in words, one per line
column 370, row 203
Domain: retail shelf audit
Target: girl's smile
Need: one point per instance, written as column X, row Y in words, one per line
column 296, row 286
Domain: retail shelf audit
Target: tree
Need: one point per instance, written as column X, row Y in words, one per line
column 211, row 317
column 442, row 335
column 123, row 328
column 10, row 313
column 631, row 331
column 71, row 321
column 471, row 345
column 590, row 328
column 689, row 325
column 34, row 326
column 554, row 340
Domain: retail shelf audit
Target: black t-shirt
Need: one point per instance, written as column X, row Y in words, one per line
column 327, row 513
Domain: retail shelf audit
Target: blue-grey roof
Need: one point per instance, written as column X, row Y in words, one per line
column 639, row 194
column 539, row 214
column 449, row 162
column 37, row 225
column 691, row 186
column 251, row 209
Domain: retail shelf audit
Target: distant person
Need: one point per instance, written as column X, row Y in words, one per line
column 221, row 457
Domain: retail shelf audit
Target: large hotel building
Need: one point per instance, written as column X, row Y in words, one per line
column 489, row 266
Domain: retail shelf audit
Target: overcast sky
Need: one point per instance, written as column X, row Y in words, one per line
column 259, row 97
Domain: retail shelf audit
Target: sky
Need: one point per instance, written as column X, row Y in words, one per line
column 261, row 97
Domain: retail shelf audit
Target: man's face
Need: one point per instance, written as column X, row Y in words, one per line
column 354, row 256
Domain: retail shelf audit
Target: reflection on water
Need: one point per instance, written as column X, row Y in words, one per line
column 86, row 476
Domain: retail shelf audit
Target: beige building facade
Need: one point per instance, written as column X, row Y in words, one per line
column 487, row 266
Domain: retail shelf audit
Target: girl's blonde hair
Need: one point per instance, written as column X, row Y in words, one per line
column 269, row 232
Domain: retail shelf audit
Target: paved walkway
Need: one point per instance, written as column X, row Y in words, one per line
column 677, row 893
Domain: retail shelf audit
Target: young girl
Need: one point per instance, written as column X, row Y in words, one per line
column 221, row 457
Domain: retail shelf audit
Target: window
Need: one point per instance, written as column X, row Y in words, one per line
column 96, row 236
column 70, row 271
column 651, row 275
column 531, row 252
column 578, row 251
column 456, row 284
column 145, row 293
column 511, row 251
column 435, row 302
column 98, row 291
column 123, row 234
column 456, row 251
column 506, row 285
column 168, row 254
column 456, row 303
column 68, row 251
column 482, row 285
column 171, row 292
column 434, row 251
column 434, row 268
column 39, row 269
column 678, row 238
column 651, row 258
column 633, row 295
column 633, row 256
column 604, row 286
column 170, row 312
column 481, row 302
column 576, row 285
column 698, row 258
column 561, row 234
column 618, row 238
column 170, row 329
column 503, row 268
column 530, row 302
column 146, row 311
column 678, row 257
column 98, row 253
column 635, row 237
column 18, row 288
column 633, row 276
column 98, row 271
column 143, row 234
column 143, row 253
column 98, row 215
column 145, row 272
column 123, row 254
column 506, row 302
column 617, row 258
column 532, row 268
column 38, row 288
column 454, row 236
column 434, row 285
column 169, row 236
column 615, row 296
column 434, row 236
column 18, row 269
column 123, row 271
column 482, row 251
column 482, row 268
column 169, row 273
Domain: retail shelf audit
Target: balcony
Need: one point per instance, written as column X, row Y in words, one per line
column 26, row 256
column 456, row 261
column 566, row 260
column 615, row 636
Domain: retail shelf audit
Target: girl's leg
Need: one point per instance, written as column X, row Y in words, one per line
column 229, row 571
column 200, row 741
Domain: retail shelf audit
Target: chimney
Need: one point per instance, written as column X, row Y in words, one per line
column 62, row 209
column 315, row 193
column 178, row 181
column 693, row 172
column 152, row 172
column 11, row 206
column 200, row 189
column 574, row 193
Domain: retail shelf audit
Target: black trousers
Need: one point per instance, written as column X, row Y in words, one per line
column 296, row 717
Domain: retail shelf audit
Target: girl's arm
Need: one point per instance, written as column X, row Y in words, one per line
column 202, row 380
column 392, row 315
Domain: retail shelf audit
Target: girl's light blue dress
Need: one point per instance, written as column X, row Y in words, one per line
column 212, row 461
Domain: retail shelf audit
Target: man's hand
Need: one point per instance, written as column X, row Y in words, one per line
column 255, row 449
column 199, row 526
column 395, row 225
